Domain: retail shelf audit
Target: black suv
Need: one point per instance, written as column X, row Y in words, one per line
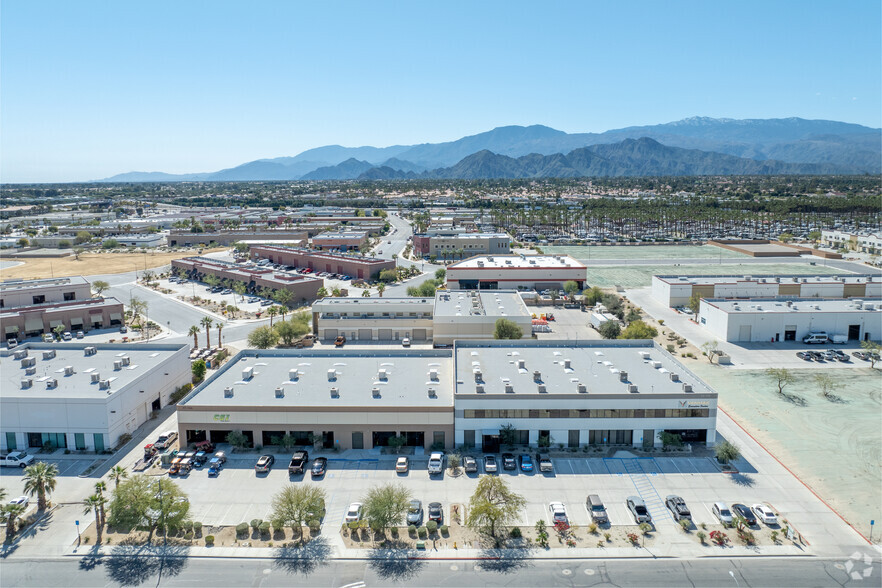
column 508, row 461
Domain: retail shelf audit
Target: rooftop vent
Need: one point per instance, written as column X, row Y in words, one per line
column 623, row 376
column 568, row 364
column 30, row 371
column 117, row 364
column 537, row 376
column 675, row 377
column 104, row 384
column 20, row 354
column 384, row 374
column 332, row 375
column 478, row 375
column 51, row 383
column 687, row 387
column 26, row 383
column 522, row 364
column 433, row 374
column 68, row 370
column 582, row 388
column 28, row 362
column 509, row 389
column 655, row 364
column 542, row 389
column 95, row 377
column 644, row 354
column 335, row 392
column 479, row 389
column 90, row 350
column 228, row 392
column 632, row 388
column 248, row 373
column 433, row 393
column 280, row 392
column 49, row 354
column 293, row 375
column 126, row 360
column 375, row 392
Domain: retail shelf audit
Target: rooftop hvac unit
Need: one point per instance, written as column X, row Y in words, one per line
column 104, row 384
column 542, row 389
column 49, row 354
column 748, row 278
column 675, row 377
column 777, row 279
column 280, row 392
column 521, row 364
column 623, row 376
column 28, row 362
column 537, row 376
column 248, row 373
column 644, row 354
column 568, row 364
column 30, row 371
column 479, row 389
column 509, row 389
column 384, row 375
column 26, row 383
column 655, row 364
column 789, row 303
column 332, row 375
column 51, row 383
column 95, row 377
column 375, row 392
column 20, row 354
column 632, row 388
column 433, row 393
column 687, row 387
column 335, row 392
column 126, row 360
column 582, row 389
column 228, row 392
column 292, row 375
column 68, row 370
column 478, row 375
column 869, row 306
column 433, row 375
column 90, row 350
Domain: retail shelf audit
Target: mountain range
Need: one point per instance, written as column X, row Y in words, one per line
column 693, row 146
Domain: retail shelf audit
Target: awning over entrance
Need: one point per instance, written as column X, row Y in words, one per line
column 12, row 329
column 34, row 323
column 115, row 316
column 55, row 322
column 76, row 322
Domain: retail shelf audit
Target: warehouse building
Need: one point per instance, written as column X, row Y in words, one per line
column 84, row 397
column 182, row 238
column 521, row 272
column 776, row 319
column 79, row 315
column 865, row 242
column 469, row 315
column 577, row 393
column 255, row 278
column 137, row 239
column 16, row 293
column 373, row 319
column 340, row 240
column 338, row 398
column 677, row 290
column 452, row 243
column 356, row 266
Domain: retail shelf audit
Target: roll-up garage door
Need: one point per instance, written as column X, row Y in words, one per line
column 744, row 332
column 365, row 335
column 330, row 333
column 33, row 323
column 384, row 334
column 419, row 334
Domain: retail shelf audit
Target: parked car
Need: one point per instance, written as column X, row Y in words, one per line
column 815, row 338
column 508, row 461
column 165, row 440
column 341, row 341
column 22, row 500
column 678, row 508
column 214, row 466
column 415, row 513
column 353, row 513
column 123, row 329
column 264, row 463
column 66, row 336
column 436, row 463
column 828, row 356
column 861, row 355
column 597, row 510
column 744, row 512
column 526, row 463
column 765, row 514
column 80, row 334
column 545, row 464
column 490, row 464
column 405, row 342
column 722, row 512
column 298, row 462
column 48, row 338
column 402, row 465
column 470, row 464
column 436, row 513
column 638, row 509
column 11, row 343
column 266, row 302
column 319, row 466
column 803, row 355
column 839, row 355
column 175, row 467
column 558, row 513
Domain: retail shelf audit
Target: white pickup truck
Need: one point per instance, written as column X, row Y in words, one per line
column 436, row 463
column 16, row 459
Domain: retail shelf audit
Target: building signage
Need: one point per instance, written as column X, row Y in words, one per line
column 222, row 418
column 694, row 404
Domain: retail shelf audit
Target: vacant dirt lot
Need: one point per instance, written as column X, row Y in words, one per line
column 90, row 264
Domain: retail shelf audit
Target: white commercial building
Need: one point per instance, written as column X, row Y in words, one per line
column 16, row 293
column 84, row 397
column 577, row 393
column 373, row 319
column 463, row 315
column 865, row 242
column 521, row 272
column 677, row 290
column 776, row 319
column 138, row 239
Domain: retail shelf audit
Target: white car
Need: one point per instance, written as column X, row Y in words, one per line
column 558, row 513
column 402, row 465
column 405, row 342
column 22, row 500
column 436, row 463
column 353, row 513
column 765, row 514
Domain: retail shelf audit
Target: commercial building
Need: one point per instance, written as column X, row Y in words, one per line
column 863, row 242
column 137, row 240
column 521, row 272
column 339, row 398
column 461, row 315
column 255, row 278
column 182, row 238
column 677, row 290
column 84, row 397
column 356, row 266
column 456, row 243
column 373, row 319
column 776, row 319
column 79, row 315
column 341, row 240
column 577, row 393
column 15, row 293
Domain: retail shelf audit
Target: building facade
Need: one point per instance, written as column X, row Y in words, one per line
column 83, row 315
column 181, row 238
column 255, row 278
column 340, row 240
column 373, row 319
column 863, row 242
column 15, row 293
column 519, row 272
column 469, row 315
column 358, row 267
column 456, row 243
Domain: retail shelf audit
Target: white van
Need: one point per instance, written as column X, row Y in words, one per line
column 839, row 339
column 815, row 338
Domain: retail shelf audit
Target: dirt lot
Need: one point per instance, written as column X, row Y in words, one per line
column 92, row 264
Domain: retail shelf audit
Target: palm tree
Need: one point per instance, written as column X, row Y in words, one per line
column 220, row 327
column 95, row 503
column 194, row 332
column 366, row 293
column 100, row 489
column 381, row 287
column 271, row 312
column 39, row 479
column 12, row 512
column 554, row 297
column 207, row 323
column 117, row 474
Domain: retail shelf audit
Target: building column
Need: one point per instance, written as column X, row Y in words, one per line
column 534, row 437
column 711, row 437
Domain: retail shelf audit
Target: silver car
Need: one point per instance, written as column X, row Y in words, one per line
column 638, row 508
column 415, row 513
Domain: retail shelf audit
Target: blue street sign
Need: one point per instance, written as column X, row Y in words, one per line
column 77, row 523
column 872, row 523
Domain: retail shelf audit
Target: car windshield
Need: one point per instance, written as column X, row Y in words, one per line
column 725, row 512
column 640, row 509
column 597, row 507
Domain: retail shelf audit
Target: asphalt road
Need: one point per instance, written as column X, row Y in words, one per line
column 151, row 570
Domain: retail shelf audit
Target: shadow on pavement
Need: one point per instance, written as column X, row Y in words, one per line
column 504, row 561
column 742, row 480
column 134, row 565
column 396, row 562
column 303, row 559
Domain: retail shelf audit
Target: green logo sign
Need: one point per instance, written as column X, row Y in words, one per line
column 223, row 418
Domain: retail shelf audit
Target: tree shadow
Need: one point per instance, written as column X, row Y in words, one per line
column 303, row 559
column 129, row 565
column 834, row 398
column 92, row 559
column 793, row 399
column 397, row 561
column 744, row 480
column 504, row 561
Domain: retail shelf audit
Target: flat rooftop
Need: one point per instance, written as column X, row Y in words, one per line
column 473, row 236
column 452, row 303
column 342, row 303
column 49, row 307
column 142, row 359
column 18, row 285
column 595, row 364
column 320, row 254
column 518, row 261
column 796, row 305
column 341, row 235
column 731, row 279
column 355, row 374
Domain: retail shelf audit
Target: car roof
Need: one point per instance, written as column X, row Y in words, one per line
column 721, row 505
column 635, row 499
column 434, row 504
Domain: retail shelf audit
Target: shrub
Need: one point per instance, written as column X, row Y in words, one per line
column 515, row 532
column 444, row 529
column 701, row 536
column 645, row 528
column 670, row 348
column 633, row 538
column 242, row 529
column 255, row 524
column 774, row 536
column 314, row 525
column 188, row 535
column 422, row 533
column 197, row 526
column 411, row 529
column 353, row 525
column 395, row 532
column 264, row 528
column 607, row 536
column 209, row 539
column 432, row 526
column 685, row 524
column 592, row 528
column 86, row 540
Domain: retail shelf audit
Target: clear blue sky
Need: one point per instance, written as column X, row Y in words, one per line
column 90, row 89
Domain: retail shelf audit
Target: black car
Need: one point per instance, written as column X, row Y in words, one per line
column 319, row 466
column 470, row 464
column 744, row 512
column 508, row 461
column 436, row 513
column 815, row 355
column 804, row 355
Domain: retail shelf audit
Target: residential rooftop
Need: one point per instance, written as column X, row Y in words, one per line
column 796, row 305
column 454, row 303
column 409, row 376
column 596, row 366
column 519, row 261
column 732, row 279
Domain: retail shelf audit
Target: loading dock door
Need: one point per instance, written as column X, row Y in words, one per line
column 330, row 334
column 744, row 333
column 365, row 335
column 419, row 334
column 384, row 334
column 854, row 332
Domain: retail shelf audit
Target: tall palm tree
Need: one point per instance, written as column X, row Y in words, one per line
column 12, row 512
column 95, row 503
column 271, row 312
column 194, row 332
column 207, row 323
column 100, row 489
column 220, row 327
column 117, row 474
column 40, row 478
